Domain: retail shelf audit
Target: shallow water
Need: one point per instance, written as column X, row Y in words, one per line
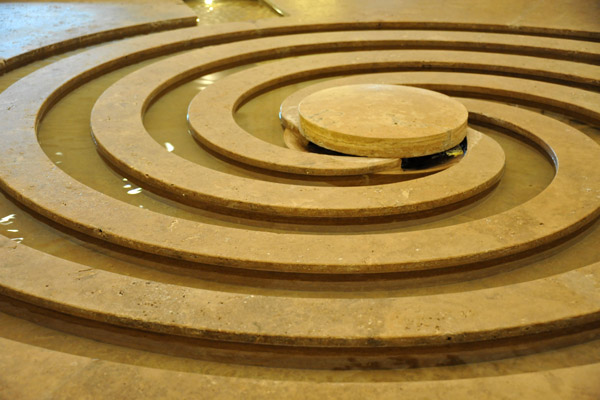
column 217, row 11
column 69, row 145
column 64, row 136
column 39, row 336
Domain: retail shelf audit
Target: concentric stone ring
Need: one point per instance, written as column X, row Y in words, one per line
column 296, row 252
column 135, row 154
column 428, row 274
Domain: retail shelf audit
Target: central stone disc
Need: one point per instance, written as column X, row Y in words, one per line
column 383, row 120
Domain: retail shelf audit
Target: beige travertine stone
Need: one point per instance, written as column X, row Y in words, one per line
column 295, row 141
column 104, row 379
column 214, row 127
column 564, row 300
column 567, row 17
column 28, row 35
column 219, row 125
column 537, row 307
column 299, row 253
column 198, row 185
column 291, row 162
column 377, row 120
column 306, row 253
column 582, row 103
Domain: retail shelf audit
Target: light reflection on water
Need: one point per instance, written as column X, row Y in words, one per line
column 10, row 221
column 220, row 11
column 7, row 220
column 525, row 171
column 69, row 144
column 64, row 136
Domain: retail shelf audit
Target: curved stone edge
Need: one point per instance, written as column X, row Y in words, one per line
column 417, row 21
column 327, row 130
column 229, row 246
column 581, row 103
column 71, row 374
column 544, row 305
column 519, row 35
column 570, row 202
column 139, row 156
column 291, row 162
column 199, row 186
column 179, row 16
column 295, row 141
column 525, row 379
column 215, row 127
column 225, row 136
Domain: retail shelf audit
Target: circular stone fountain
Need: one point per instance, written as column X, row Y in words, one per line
column 302, row 273
column 378, row 120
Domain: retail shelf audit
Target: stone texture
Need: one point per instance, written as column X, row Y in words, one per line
column 215, row 128
column 33, row 30
column 375, row 120
column 304, row 253
column 531, row 337
column 569, row 17
column 141, row 157
column 99, row 379
column 578, row 102
column 426, row 322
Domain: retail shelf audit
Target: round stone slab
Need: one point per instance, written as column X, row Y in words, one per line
column 377, row 120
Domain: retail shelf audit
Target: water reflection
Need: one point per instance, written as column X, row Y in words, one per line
column 64, row 135
column 213, row 12
column 7, row 220
column 134, row 191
